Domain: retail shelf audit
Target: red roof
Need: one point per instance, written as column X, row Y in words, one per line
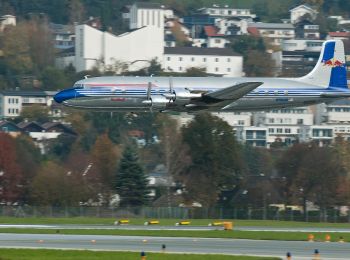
column 339, row 34
column 211, row 31
column 253, row 31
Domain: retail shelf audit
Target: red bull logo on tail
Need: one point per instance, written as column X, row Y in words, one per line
column 333, row 63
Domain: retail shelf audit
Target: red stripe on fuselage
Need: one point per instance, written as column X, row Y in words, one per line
column 117, row 85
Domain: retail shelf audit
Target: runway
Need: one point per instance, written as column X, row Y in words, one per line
column 187, row 228
column 299, row 250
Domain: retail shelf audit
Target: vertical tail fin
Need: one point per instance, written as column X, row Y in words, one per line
column 330, row 70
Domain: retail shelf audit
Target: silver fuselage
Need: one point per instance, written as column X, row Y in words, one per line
column 129, row 93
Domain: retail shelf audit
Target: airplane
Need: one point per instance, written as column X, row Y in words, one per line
column 325, row 83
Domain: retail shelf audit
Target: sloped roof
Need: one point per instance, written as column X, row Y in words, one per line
column 4, row 123
column 49, row 125
column 211, row 31
column 339, row 34
column 305, row 6
column 24, row 125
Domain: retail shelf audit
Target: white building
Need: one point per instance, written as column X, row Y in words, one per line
column 134, row 49
column 284, row 125
column 64, row 35
column 13, row 101
column 337, row 112
column 226, row 11
column 232, row 26
column 302, row 45
column 145, row 14
column 253, row 135
column 320, row 134
column 218, row 61
column 298, row 12
column 274, row 31
column 236, row 119
column 7, row 20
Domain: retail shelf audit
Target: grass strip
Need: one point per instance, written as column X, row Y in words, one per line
column 38, row 254
column 257, row 235
column 170, row 222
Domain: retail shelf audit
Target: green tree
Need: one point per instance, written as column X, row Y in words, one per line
column 195, row 72
column 253, row 64
column 36, row 113
column 54, row 79
column 131, row 182
column 216, row 162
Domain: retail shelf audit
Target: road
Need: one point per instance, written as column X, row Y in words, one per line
column 299, row 250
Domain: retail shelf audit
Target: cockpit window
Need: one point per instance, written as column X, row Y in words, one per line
column 77, row 85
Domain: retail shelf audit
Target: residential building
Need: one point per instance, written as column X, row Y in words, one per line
column 232, row 25
column 276, row 32
column 213, row 38
column 13, row 101
column 9, row 128
column 226, row 11
column 284, row 124
column 236, row 119
column 218, row 61
column 320, row 134
column 302, row 45
column 301, row 12
column 338, row 36
column 64, row 35
column 253, row 135
column 337, row 112
column 7, row 20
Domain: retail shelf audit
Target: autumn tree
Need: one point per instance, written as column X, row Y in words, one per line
column 104, row 158
column 76, row 11
column 56, row 186
column 216, row 162
column 174, row 153
column 131, row 182
column 29, row 159
column 10, row 172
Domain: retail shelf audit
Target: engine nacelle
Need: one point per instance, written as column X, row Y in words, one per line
column 183, row 96
column 157, row 102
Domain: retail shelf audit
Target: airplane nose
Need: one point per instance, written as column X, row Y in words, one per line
column 64, row 95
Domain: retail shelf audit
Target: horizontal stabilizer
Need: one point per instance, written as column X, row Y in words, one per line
column 233, row 92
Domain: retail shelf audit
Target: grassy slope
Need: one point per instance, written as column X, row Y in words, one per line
column 28, row 254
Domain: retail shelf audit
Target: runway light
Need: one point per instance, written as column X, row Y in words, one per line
column 163, row 248
column 327, row 238
column 316, row 255
column 310, row 238
column 144, row 241
column 40, row 241
column 341, row 239
column 143, row 255
column 93, row 241
column 289, row 256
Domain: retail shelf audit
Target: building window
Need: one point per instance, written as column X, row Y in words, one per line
column 279, row 130
column 17, row 111
column 192, row 59
column 240, row 122
column 216, row 59
column 271, row 130
column 180, row 68
column 180, row 58
column 300, row 121
column 217, row 41
column 168, row 58
column 9, row 110
column 287, row 130
column 216, row 69
column 228, row 59
column 204, row 59
column 228, row 69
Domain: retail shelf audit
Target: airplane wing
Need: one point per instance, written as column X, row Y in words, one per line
column 231, row 93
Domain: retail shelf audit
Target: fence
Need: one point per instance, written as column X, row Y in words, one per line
column 249, row 213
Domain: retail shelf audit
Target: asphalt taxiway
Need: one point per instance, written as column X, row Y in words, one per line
column 299, row 250
column 187, row 228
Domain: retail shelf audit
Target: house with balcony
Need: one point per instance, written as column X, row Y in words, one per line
column 275, row 32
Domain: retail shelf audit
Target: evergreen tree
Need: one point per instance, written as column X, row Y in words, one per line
column 131, row 181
